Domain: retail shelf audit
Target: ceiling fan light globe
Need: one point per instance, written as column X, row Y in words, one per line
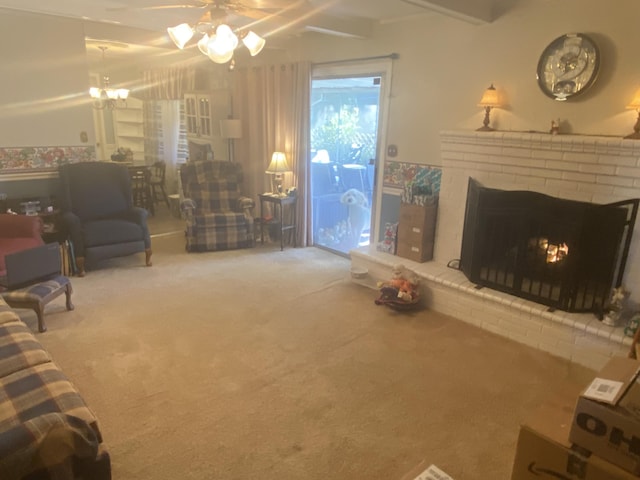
column 180, row 34
column 254, row 43
column 226, row 35
column 203, row 44
column 218, row 50
column 224, row 58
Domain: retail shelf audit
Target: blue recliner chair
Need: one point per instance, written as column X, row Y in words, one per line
column 98, row 212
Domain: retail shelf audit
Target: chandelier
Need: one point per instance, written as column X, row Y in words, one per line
column 105, row 96
column 218, row 41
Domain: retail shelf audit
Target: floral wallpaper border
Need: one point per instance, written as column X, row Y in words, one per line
column 399, row 174
column 43, row 159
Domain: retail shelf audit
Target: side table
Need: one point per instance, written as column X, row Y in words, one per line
column 279, row 201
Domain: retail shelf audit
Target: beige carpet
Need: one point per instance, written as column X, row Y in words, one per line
column 261, row 364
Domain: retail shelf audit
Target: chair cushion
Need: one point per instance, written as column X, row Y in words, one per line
column 19, row 349
column 210, row 234
column 216, row 195
column 109, row 232
column 222, row 220
column 37, row 291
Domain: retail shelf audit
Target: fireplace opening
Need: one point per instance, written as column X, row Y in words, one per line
column 561, row 253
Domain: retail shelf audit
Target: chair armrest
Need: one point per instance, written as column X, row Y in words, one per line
column 246, row 203
column 139, row 215
column 73, row 227
column 47, row 446
column 17, row 226
column 188, row 206
column 136, row 215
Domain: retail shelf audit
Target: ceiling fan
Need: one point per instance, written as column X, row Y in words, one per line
column 219, row 40
column 216, row 9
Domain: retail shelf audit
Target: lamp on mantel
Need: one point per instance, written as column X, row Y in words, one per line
column 231, row 128
column 635, row 104
column 488, row 101
column 278, row 167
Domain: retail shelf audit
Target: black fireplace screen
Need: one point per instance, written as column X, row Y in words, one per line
column 561, row 253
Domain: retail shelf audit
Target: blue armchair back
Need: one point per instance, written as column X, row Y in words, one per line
column 95, row 189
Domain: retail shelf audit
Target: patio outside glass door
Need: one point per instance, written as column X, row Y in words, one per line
column 345, row 112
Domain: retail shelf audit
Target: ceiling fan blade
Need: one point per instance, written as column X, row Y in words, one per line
column 156, row 7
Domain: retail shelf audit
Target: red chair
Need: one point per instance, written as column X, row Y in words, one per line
column 18, row 232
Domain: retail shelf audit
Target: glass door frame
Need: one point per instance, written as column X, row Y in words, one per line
column 368, row 68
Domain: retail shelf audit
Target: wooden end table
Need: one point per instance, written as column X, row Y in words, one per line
column 279, row 201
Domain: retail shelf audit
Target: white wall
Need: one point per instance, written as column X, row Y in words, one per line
column 43, row 99
column 445, row 65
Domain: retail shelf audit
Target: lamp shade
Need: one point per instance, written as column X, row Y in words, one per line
column 490, row 98
column 254, row 43
column 231, row 128
column 635, row 103
column 180, row 34
column 278, row 163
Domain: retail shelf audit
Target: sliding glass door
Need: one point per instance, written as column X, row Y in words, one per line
column 345, row 123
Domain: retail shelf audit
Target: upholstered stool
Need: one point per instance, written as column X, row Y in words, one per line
column 36, row 296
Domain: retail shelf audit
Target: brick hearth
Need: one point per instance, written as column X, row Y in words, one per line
column 586, row 168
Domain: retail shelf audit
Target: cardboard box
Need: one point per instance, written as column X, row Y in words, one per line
column 416, row 231
column 422, row 471
column 606, row 420
column 418, row 252
column 544, row 450
column 419, row 216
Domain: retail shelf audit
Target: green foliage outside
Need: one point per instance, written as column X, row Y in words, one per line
column 343, row 137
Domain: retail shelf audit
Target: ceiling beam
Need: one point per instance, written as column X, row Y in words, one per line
column 477, row 12
column 330, row 25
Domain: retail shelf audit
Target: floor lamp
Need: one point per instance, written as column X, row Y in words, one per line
column 231, row 128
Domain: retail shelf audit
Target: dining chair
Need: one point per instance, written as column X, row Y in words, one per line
column 157, row 182
column 141, row 188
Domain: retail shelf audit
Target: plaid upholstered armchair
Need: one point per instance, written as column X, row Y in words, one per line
column 218, row 216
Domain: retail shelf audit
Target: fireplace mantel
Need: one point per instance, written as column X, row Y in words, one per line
column 599, row 144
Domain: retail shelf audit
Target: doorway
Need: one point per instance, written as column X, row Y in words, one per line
column 347, row 118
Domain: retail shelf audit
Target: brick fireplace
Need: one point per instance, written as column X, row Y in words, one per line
column 590, row 169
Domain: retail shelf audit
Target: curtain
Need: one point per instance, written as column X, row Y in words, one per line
column 168, row 83
column 273, row 104
column 165, row 136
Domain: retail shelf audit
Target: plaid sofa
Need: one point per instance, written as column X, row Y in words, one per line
column 218, row 216
column 46, row 429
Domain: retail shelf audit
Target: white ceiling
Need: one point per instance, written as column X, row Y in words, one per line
column 270, row 18
column 155, row 16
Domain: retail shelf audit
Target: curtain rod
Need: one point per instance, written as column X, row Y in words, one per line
column 392, row 56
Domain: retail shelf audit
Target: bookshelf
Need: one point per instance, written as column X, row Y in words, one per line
column 129, row 126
